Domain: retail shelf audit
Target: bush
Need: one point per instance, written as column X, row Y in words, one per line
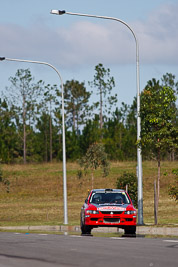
column 129, row 179
column 5, row 181
column 173, row 188
column 1, row 176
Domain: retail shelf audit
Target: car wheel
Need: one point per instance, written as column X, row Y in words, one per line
column 130, row 230
column 86, row 230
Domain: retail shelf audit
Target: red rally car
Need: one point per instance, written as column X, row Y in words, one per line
column 108, row 208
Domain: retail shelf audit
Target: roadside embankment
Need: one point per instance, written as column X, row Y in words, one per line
column 141, row 230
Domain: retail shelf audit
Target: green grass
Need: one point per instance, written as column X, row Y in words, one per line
column 36, row 192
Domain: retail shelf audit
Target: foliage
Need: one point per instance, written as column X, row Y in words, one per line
column 119, row 137
column 94, row 158
column 173, row 188
column 169, row 80
column 175, row 171
column 8, row 134
column 91, row 134
column 129, row 179
column 159, row 132
column 31, row 120
column 158, row 112
column 104, row 83
column 76, row 103
column 24, row 93
column 4, row 181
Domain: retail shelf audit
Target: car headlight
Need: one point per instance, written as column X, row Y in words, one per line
column 130, row 212
column 92, row 212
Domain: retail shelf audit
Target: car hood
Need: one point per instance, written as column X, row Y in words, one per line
column 111, row 207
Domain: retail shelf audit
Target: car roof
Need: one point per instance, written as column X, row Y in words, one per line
column 108, row 190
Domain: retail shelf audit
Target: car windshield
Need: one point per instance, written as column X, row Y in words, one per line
column 119, row 198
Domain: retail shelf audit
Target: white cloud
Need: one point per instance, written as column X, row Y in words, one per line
column 159, row 36
column 85, row 42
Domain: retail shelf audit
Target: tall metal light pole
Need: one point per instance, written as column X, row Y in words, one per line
column 139, row 156
column 63, row 129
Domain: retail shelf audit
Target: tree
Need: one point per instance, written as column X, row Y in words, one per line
column 23, row 95
column 95, row 158
column 112, row 137
column 76, row 103
column 131, row 134
column 8, row 134
column 104, row 83
column 43, row 127
column 169, row 80
column 4, row 181
column 90, row 134
column 57, row 130
column 120, row 133
column 158, row 111
column 129, row 179
column 49, row 108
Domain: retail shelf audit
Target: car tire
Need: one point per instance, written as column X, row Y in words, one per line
column 130, row 230
column 85, row 229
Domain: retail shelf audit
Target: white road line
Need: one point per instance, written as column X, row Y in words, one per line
column 42, row 234
column 173, row 241
column 76, row 236
column 120, row 238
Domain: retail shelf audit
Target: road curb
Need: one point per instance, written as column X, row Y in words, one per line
column 142, row 230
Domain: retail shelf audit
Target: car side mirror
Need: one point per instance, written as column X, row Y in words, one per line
column 86, row 200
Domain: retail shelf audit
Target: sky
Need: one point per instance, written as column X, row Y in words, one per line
column 75, row 45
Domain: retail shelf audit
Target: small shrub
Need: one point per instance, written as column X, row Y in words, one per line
column 5, row 181
column 129, row 179
column 79, row 174
column 95, row 158
column 173, row 188
column 175, row 171
column 1, row 176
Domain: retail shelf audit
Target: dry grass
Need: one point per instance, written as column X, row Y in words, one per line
column 36, row 192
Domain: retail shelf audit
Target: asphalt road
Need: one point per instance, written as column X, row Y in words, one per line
column 31, row 250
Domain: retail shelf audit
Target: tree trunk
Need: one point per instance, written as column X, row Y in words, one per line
column 24, row 130
column 92, row 179
column 101, row 109
column 24, row 143
column 74, row 114
column 172, row 155
column 158, row 182
column 50, row 135
column 159, row 174
column 120, row 137
column 155, row 204
column 46, row 146
column 50, row 138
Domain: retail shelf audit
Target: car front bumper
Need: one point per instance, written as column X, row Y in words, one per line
column 112, row 221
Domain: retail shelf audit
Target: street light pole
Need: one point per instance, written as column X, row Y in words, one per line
column 139, row 156
column 63, row 129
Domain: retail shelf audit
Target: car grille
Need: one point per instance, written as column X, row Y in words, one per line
column 111, row 220
column 94, row 219
column 111, row 212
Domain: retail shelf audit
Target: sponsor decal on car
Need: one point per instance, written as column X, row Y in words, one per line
column 110, row 208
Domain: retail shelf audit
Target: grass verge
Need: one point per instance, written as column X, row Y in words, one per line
column 36, row 192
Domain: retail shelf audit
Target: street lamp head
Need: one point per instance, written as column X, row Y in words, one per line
column 2, row 58
column 58, row 12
